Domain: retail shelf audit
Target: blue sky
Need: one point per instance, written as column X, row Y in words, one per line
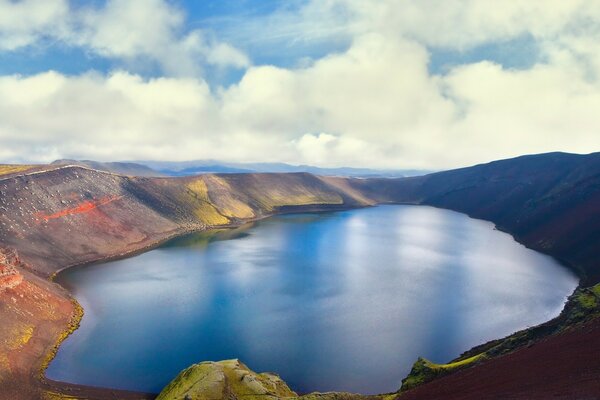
column 382, row 83
column 220, row 19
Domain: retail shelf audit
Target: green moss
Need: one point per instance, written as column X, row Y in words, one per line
column 6, row 169
column 72, row 327
column 203, row 208
column 587, row 300
column 225, row 379
column 424, row 370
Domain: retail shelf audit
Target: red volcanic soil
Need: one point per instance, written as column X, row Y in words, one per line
column 84, row 207
column 565, row 366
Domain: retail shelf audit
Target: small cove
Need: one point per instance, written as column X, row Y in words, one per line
column 332, row 301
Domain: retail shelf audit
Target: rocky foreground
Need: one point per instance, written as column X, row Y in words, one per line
column 232, row 380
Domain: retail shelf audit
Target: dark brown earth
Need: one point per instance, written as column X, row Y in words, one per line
column 564, row 366
column 548, row 202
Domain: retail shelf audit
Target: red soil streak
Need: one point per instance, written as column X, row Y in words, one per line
column 84, row 207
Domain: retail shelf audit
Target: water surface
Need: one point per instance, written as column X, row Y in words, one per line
column 338, row 301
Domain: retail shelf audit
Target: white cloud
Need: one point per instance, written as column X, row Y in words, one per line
column 373, row 104
column 133, row 31
column 150, row 30
column 25, row 22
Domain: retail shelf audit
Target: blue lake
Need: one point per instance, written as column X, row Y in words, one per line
column 333, row 301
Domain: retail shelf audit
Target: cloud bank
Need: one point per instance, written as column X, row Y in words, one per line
column 375, row 102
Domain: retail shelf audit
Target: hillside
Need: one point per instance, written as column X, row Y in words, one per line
column 57, row 216
column 72, row 215
column 121, row 168
column 549, row 202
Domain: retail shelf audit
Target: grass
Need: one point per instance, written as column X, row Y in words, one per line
column 204, row 210
column 456, row 364
column 219, row 379
column 6, row 169
column 582, row 306
column 72, row 327
column 424, row 370
column 225, row 200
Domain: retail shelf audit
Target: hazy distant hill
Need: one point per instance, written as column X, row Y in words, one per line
column 197, row 167
column 186, row 168
column 121, row 168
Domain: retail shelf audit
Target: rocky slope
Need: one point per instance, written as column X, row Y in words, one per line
column 232, row 380
column 72, row 215
column 34, row 314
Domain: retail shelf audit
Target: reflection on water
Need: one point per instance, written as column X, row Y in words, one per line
column 340, row 301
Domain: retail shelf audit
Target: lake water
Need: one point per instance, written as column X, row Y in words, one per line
column 334, row 301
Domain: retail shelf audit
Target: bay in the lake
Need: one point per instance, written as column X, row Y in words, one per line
column 334, row 301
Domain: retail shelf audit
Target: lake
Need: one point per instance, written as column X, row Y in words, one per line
column 329, row 301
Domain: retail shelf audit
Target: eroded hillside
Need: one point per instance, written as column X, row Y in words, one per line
column 73, row 215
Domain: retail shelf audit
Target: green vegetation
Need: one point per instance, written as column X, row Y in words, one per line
column 582, row 306
column 72, row 327
column 424, row 370
column 229, row 379
column 226, row 200
column 6, row 169
column 204, row 209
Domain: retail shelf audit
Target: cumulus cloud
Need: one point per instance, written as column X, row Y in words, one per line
column 134, row 31
column 374, row 103
column 149, row 29
column 29, row 21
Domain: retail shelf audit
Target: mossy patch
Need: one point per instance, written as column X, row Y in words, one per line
column 72, row 327
column 20, row 336
column 229, row 379
column 204, row 209
column 6, row 169
column 424, row 370
column 224, row 198
column 582, row 306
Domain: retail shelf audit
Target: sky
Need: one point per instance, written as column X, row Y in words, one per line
column 362, row 83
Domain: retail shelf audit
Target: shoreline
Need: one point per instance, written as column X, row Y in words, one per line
column 84, row 390
column 74, row 325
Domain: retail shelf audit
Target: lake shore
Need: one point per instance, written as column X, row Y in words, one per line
column 111, row 271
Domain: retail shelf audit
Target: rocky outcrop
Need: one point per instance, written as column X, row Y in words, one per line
column 9, row 276
column 34, row 316
column 232, row 380
column 229, row 379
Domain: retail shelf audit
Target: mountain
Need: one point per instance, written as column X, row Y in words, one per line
column 186, row 168
column 121, row 168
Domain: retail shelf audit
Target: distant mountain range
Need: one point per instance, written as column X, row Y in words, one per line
column 189, row 168
column 186, row 168
column 121, row 168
